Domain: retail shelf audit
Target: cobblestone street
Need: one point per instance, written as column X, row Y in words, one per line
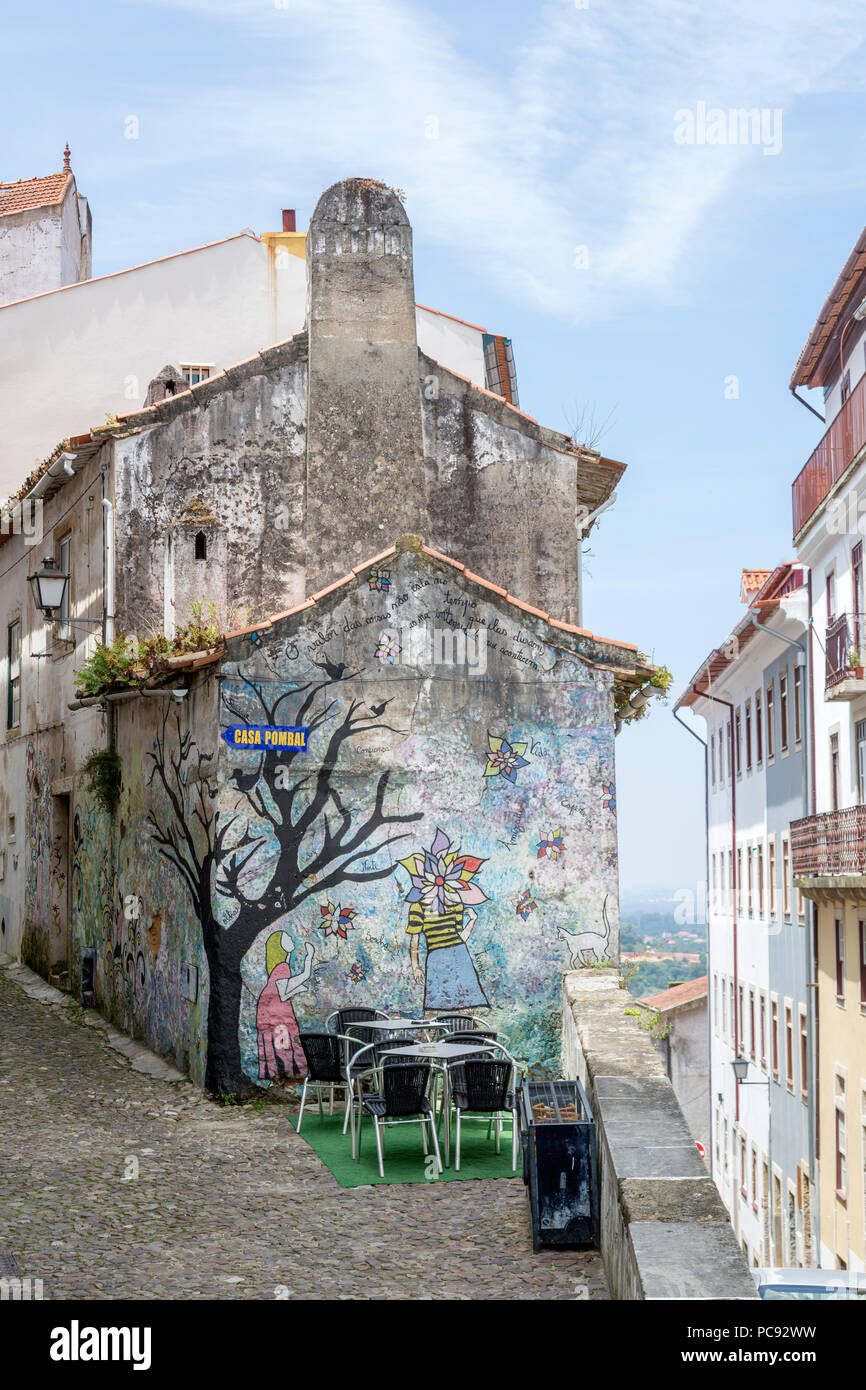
column 228, row 1202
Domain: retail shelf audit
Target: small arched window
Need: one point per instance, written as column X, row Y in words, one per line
column 201, row 546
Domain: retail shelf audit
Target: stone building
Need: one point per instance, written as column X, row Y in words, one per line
column 457, row 712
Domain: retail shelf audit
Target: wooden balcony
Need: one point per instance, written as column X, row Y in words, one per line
column 828, row 852
column 839, row 447
column 845, row 663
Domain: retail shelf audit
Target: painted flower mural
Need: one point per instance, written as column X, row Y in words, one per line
column 337, row 920
column 442, row 896
column 609, row 802
column 357, row 973
column 551, row 845
column 380, row 580
column 525, row 904
column 504, row 759
column 387, row 648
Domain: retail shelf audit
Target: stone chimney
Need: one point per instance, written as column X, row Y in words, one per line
column 365, row 469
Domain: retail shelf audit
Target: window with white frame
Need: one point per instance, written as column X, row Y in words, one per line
column 13, row 674
column 760, row 872
column 839, row 1089
column 194, row 372
column 771, row 865
column 804, row 1052
column 63, row 629
column 786, row 878
column 839, row 938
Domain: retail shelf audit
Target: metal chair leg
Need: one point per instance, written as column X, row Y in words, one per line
column 436, row 1146
column 331, row 1111
column 423, row 1125
column 514, row 1140
column 379, row 1145
column 457, row 1142
column 349, row 1101
column 318, row 1085
column 303, row 1099
column 497, row 1127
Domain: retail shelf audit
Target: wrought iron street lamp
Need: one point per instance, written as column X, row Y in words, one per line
column 49, row 586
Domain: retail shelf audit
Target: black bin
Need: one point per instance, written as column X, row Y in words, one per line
column 557, row 1135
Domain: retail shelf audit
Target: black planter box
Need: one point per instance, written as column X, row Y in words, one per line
column 557, row 1135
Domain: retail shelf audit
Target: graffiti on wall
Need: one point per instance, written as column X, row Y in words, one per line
column 506, row 801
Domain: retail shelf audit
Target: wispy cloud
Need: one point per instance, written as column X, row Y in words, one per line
column 571, row 144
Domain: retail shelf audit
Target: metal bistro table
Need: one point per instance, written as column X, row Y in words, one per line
column 444, row 1053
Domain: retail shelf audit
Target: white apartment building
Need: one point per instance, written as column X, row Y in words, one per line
column 75, row 351
column 829, row 846
column 750, row 691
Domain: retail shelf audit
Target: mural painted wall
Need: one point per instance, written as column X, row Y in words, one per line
column 445, row 839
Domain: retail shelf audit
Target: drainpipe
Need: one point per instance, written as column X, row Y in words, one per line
column 793, row 391
column 108, row 568
column 705, row 695
column 812, row 1007
column 703, row 743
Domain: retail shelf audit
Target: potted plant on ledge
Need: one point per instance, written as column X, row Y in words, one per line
column 856, row 662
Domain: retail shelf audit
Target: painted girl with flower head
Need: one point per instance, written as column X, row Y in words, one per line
column 442, row 898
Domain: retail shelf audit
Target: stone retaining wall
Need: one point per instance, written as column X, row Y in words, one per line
column 664, row 1230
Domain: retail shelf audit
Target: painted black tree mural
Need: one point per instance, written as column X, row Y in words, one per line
column 289, row 826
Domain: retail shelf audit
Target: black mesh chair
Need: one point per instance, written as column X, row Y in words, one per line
column 368, row 1061
column 461, row 1021
column 402, row 1099
column 325, row 1065
column 486, row 1088
column 338, row 1021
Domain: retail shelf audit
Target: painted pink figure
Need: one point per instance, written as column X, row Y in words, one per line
column 279, row 1046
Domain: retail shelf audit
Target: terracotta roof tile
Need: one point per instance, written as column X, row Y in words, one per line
column 33, row 193
column 376, row 560
column 477, row 579
column 437, row 555
column 528, row 608
column 454, row 317
column 672, row 998
column 253, row 627
column 337, row 584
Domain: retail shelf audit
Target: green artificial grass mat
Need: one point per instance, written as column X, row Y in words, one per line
column 404, row 1157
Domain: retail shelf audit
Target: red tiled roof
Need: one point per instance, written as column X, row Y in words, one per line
column 33, row 193
column 753, row 580
column 808, row 371
column 781, row 581
column 677, row 995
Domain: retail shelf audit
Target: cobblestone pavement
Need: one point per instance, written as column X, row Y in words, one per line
column 228, row 1201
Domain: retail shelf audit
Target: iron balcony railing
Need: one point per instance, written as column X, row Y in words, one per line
column 845, row 647
column 839, row 447
column 829, row 844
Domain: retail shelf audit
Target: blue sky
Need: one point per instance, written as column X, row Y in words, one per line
column 554, row 130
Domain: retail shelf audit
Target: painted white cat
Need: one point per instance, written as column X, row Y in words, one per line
column 587, row 947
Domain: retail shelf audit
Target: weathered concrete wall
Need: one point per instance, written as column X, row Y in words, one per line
column 365, row 471
column 664, row 1231
column 498, row 496
column 687, row 1052
column 236, row 456
column 410, row 769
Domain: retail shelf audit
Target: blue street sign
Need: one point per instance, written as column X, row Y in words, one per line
column 266, row 736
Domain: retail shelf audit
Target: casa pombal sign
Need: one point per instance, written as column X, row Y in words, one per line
column 265, row 736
